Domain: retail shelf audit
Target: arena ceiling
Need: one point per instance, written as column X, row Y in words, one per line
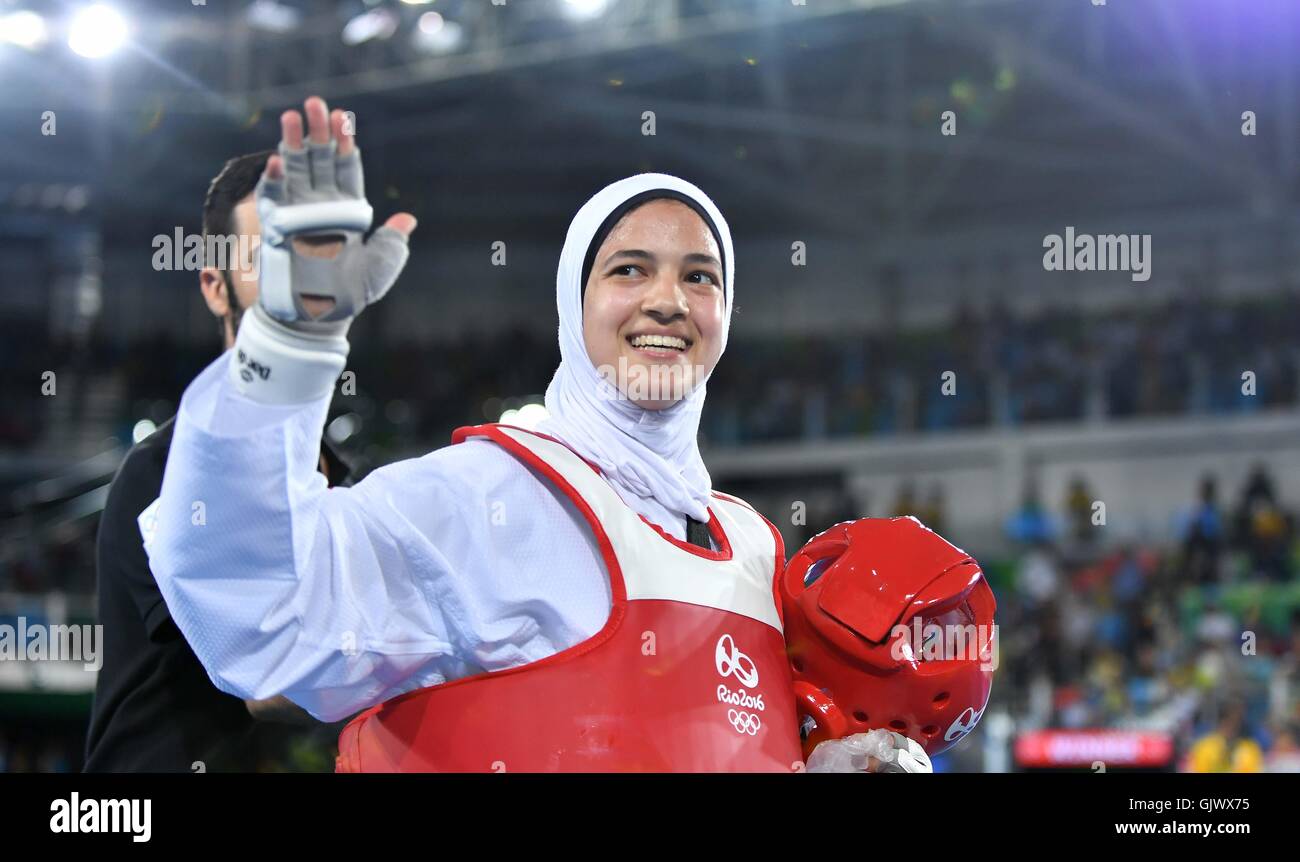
column 823, row 117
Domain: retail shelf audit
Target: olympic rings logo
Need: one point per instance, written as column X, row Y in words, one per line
column 744, row 722
column 730, row 661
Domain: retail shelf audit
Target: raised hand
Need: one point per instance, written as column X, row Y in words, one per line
column 316, row 271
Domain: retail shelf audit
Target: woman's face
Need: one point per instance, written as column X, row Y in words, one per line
column 654, row 308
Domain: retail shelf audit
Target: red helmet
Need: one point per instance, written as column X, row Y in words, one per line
column 863, row 603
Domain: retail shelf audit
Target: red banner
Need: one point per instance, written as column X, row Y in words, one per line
column 1052, row 748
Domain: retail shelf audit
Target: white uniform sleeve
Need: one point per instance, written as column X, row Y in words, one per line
column 338, row 598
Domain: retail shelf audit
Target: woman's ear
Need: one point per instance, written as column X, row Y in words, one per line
column 216, row 293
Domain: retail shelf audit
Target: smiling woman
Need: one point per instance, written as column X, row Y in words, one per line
column 515, row 573
column 644, row 290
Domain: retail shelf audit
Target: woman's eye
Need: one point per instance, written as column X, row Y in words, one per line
column 705, row 275
column 626, row 269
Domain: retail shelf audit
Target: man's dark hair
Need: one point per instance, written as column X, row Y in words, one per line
column 236, row 181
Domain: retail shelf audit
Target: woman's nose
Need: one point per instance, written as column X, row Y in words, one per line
column 665, row 300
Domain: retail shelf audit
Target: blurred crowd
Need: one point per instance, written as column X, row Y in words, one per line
column 1185, row 356
column 1200, row 639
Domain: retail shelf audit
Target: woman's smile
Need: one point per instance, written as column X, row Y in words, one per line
column 660, row 346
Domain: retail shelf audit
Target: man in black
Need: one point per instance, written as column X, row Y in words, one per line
column 155, row 710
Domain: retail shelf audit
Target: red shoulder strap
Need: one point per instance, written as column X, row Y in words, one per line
column 492, row 431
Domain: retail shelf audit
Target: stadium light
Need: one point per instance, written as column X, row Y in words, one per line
column 273, row 17
column 375, row 24
column 23, row 28
column 343, row 427
column 436, row 35
column 142, row 429
column 585, row 9
column 529, row 416
column 97, row 31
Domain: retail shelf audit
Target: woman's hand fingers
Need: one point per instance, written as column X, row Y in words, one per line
column 347, row 160
column 341, row 129
column 403, row 223
column 271, row 185
column 318, row 127
column 291, row 130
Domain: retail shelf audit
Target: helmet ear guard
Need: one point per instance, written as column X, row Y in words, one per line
column 888, row 626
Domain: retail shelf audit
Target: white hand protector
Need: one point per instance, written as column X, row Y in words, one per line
column 874, row 751
column 282, row 353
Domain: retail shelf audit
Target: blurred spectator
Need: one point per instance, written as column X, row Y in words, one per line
column 1264, row 530
column 1217, row 627
column 1031, row 524
column 1078, row 508
column 1037, row 576
column 1285, row 754
column 1227, row 748
column 1203, row 537
column 905, row 503
column 932, row 514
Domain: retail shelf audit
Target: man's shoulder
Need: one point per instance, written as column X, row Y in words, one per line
column 139, row 476
column 150, row 453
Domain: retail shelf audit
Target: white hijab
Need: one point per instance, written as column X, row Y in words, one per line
column 651, row 453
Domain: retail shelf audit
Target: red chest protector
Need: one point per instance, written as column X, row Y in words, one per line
column 689, row 673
